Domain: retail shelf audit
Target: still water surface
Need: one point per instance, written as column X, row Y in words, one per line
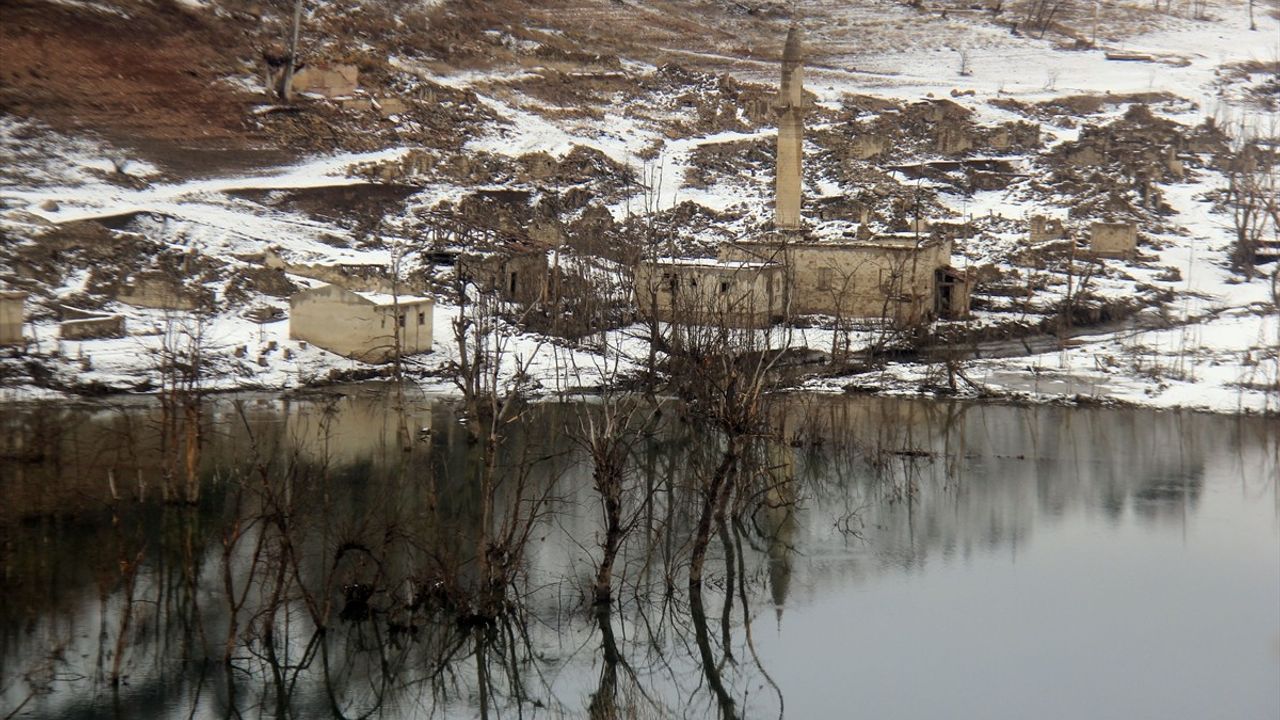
column 917, row 560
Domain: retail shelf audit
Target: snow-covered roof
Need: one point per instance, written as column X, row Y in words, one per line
column 714, row 263
column 387, row 299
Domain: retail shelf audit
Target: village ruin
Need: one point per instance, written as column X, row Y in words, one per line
column 903, row 278
column 585, row 196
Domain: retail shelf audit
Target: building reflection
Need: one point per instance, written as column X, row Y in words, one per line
column 117, row 602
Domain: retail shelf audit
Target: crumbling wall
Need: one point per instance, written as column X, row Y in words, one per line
column 330, row 81
column 516, row 277
column 1118, row 240
column 92, row 328
column 707, row 293
column 12, row 309
column 163, row 292
column 870, row 280
column 1045, row 228
column 364, row 277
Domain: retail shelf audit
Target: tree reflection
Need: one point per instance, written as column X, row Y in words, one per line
column 338, row 561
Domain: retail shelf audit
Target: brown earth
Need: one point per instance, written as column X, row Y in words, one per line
column 151, row 78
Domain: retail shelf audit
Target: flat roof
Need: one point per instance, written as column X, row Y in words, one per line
column 715, row 263
column 387, row 299
column 894, row 241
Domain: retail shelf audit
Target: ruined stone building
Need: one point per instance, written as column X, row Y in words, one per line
column 903, row 278
column 326, row 80
column 798, row 270
column 515, row 272
column 159, row 290
column 12, row 307
column 77, row 324
column 1045, row 228
column 361, row 325
column 1116, row 240
column 704, row 291
column 361, row 277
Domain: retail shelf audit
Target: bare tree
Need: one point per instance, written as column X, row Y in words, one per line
column 1251, row 191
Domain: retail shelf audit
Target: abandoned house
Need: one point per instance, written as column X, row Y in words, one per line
column 730, row 293
column 362, row 277
column 331, row 81
column 365, row 326
column 1045, row 228
column 515, row 272
column 79, row 324
column 1113, row 240
column 489, row 242
column 160, row 291
column 902, row 278
column 12, row 307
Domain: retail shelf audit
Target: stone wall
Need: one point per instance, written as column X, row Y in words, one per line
column 160, row 292
column 516, row 277
column 331, row 81
column 732, row 294
column 92, row 328
column 890, row 278
column 11, row 317
column 364, row 277
column 1113, row 239
column 345, row 323
column 1045, row 228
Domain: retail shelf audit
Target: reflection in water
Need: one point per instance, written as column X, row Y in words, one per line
column 341, row 559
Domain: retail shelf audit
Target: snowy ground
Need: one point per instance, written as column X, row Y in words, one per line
column 1225, row 360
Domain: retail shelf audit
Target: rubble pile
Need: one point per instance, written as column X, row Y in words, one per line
column 934, row 127
column 1114, row 170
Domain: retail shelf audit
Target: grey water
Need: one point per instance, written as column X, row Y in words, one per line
column 914, row 559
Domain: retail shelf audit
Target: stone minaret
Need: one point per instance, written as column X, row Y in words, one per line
column 790, row 106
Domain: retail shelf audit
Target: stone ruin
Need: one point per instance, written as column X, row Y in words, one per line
column 162, row 291
column 1113, row 239
column 12, row 316
column 326, row 80
column 361, row 277
column 1045, row 228
column 80, row 324
column 934, row 126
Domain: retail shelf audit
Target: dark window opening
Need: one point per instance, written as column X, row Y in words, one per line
column 724, row 286
column 422, row 318
column 512, row 288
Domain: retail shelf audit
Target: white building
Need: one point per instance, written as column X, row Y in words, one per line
column 365, row 326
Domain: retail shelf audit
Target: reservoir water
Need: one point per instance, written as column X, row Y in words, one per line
column 339, row 555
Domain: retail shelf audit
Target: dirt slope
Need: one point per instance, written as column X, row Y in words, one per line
column 145, row 73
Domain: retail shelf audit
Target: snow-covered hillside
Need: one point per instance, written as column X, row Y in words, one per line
column 649, row 110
